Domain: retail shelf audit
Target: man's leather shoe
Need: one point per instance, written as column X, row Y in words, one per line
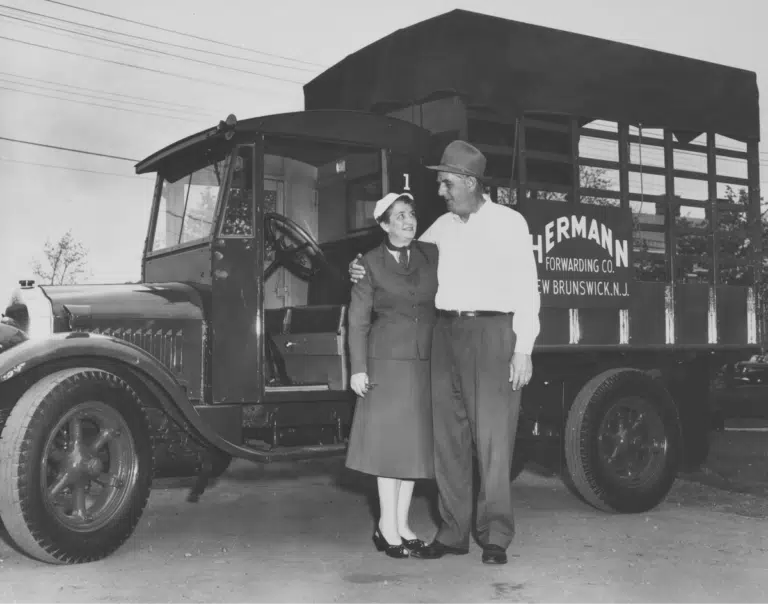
column 436, row 550
column 494, row 554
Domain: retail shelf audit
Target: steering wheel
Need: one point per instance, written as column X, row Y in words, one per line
column 293, row 248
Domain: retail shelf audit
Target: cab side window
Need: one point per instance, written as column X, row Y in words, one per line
column 238, row 218
column 187, row 207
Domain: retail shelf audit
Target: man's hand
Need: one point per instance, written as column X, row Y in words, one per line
column 520, row 370
column 356, row 270
column 359, row 383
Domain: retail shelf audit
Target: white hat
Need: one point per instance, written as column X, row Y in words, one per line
column 383, row 204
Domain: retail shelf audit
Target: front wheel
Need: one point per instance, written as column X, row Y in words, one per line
column 75, row 466
column 622, row 442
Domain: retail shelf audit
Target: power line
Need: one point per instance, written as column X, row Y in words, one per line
column 101, row 98
column 129, row 96
column 612, row 127
column 173, row 31
column 655, row 188
column 600, row 150
column 60, row 98
column 16, row 140
column 612, row 144
column 131, row 65
column 161, row 52
column 32, row 163
column 136, row 37
column 34, row 26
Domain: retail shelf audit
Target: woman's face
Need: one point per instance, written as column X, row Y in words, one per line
column 402, row 222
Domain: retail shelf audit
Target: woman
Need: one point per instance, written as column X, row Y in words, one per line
column 391, row 434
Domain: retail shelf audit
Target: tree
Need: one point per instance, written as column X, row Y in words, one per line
column 65, row 261
column 734, row 231
column 589, row 178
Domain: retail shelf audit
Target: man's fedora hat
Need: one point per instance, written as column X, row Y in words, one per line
column 462, row 158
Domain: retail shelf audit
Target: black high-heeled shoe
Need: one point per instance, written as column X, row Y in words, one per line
column 414, row 545
column 393, row 551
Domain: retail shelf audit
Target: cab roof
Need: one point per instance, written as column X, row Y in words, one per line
column 314, row 137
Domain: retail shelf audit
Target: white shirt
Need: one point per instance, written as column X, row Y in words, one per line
column 487, row 263
column 396, row 255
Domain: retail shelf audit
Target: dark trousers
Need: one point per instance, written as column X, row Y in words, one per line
column 473, row 403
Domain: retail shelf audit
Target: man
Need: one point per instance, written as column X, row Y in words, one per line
column 488, row 319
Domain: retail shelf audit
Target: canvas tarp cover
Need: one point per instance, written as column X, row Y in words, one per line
column 511, row 68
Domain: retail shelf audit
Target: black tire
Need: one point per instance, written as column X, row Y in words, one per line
column 655, row 443
column 82, row 431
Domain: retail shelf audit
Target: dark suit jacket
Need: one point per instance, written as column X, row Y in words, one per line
column 392, row 311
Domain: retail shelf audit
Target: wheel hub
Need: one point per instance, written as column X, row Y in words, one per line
column 79, row 465
column 632, row 441
column 90, row 466
column 93, row 467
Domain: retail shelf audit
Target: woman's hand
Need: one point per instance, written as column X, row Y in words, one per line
column 359, row 383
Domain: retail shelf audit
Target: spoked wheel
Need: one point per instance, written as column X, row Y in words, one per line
column 622, row 442
column 632, row 442
column 75, row 466
column 292, row 247
column 91, row 466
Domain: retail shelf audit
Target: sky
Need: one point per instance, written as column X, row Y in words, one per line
column 127, row 108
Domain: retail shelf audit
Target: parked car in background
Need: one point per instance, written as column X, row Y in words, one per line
column 740, row 390
column 751, row 372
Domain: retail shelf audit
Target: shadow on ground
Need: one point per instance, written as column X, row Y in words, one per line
column 737, row 462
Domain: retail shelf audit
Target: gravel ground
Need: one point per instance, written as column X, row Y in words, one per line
column 301, row 533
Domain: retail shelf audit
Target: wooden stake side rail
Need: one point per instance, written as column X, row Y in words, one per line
column 666, row 315
column 697, row 321
column 661, row 314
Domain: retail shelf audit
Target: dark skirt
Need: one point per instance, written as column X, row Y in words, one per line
column 391, row 433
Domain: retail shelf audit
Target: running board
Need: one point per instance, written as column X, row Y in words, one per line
column 298, row 388
column 264, row 455
column 297, row 452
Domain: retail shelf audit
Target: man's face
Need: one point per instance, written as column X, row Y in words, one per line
column 457, row 192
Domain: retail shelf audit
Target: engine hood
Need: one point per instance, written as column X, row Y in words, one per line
column 167, row 320
column 93, row 306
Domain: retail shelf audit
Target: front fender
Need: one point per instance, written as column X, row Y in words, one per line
column 31, row 354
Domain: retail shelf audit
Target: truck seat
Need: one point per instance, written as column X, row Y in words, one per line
column 310, row 342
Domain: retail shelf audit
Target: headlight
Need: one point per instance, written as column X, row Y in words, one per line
column 37, row 321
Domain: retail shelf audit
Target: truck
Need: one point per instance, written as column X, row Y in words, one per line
column 233, row 344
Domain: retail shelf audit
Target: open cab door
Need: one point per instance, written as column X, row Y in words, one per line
column 296, row 208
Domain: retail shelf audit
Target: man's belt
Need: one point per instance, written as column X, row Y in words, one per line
column 453, row 314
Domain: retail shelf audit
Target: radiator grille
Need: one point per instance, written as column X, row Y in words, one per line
column 166, row 345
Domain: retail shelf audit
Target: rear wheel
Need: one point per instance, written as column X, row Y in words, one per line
column 75, row 466
column 622, row 442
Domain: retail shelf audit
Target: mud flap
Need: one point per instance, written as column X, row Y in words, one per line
column 203, row 478
column 212, row 463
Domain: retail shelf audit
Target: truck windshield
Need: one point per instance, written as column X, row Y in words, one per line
column 186, row 208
